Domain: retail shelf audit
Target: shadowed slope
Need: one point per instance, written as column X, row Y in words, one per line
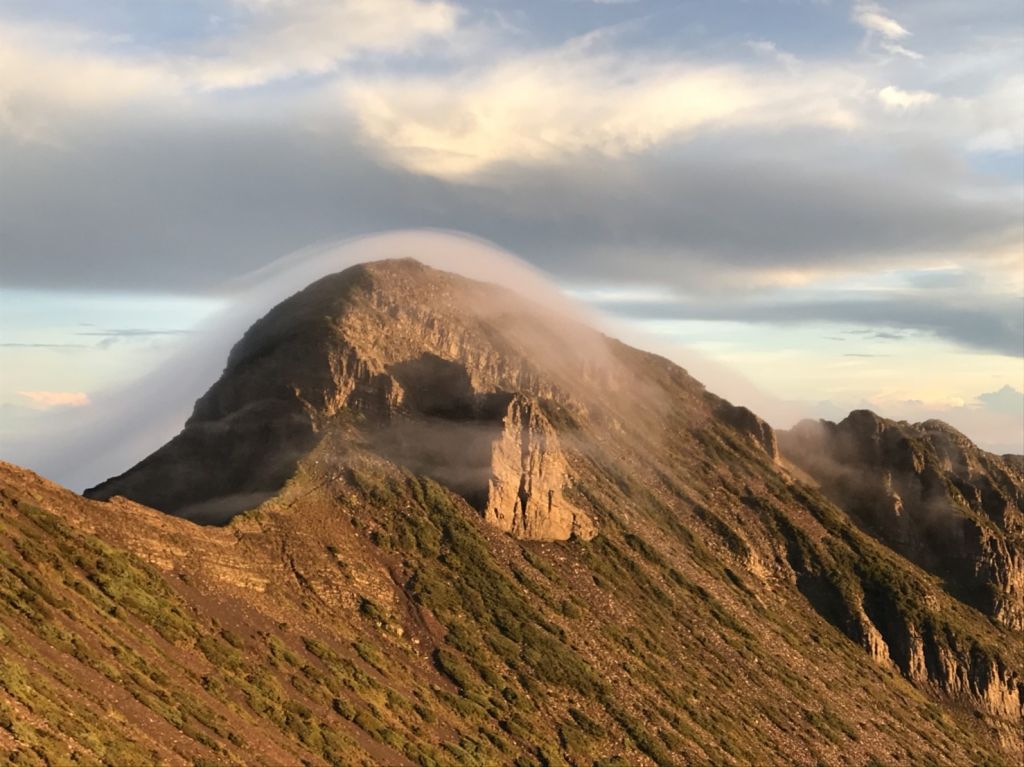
column 929, row 493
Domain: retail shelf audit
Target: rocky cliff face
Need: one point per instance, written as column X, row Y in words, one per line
column 926, row 491
column 525, row 494
column 754, row 429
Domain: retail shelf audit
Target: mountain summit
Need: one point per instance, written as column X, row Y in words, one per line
column 455, row 379
column 448, row 524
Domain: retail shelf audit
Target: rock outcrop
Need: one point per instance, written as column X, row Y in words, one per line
column 754, row 429
column 930, row 494
column 529, row 473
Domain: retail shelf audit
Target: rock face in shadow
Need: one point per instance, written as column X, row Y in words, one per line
column 930, row 494
column 743, row 420
column 255, row 450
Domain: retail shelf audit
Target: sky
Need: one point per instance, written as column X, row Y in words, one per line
column 826, row 197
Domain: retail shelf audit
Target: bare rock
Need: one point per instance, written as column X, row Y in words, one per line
column 529, row 472
column 437, row 372
column 754, row 429
column 929, row 493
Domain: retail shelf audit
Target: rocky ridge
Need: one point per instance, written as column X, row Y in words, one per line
column 525, row 494
column 930, row 494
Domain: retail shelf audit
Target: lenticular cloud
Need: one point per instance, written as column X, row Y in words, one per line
column 119, row 427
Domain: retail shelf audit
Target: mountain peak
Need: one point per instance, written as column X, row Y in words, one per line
column 386, row 347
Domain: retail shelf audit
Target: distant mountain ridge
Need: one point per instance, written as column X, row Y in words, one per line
column 930, row 494
column 454, row 526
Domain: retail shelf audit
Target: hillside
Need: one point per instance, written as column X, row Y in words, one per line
column 455, row 527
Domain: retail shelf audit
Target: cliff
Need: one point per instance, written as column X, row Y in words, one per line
column 930, row 494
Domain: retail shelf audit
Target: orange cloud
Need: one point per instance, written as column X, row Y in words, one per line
column 48, row 399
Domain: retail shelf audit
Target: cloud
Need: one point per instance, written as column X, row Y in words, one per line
column 285, row 38
column 109, row 337
column 130, row 333
column 53, row 399
column 49, row 74
column 733, row 212
column 41, row 346
column 996, row 117
column 592, row 158
column 995, row 326
column 873, row 18
column 770, row 50
column 898, row 50
column 895, row 98
column 1006, row 400
column 575, row 100
column 882, row 335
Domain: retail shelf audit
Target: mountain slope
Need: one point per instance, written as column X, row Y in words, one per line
column 484, row 534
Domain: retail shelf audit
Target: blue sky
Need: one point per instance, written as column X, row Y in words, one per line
column 826, row 196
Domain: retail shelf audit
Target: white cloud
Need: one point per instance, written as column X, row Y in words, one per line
column 896, row 98
column 540, row 107
column 873, row 18
column 770, row 50
column 48, row 73
column 277, row 39
column 285, row 38
column 898, row 50
column 997, row 117
column 51, row 399
column 1005, row 400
